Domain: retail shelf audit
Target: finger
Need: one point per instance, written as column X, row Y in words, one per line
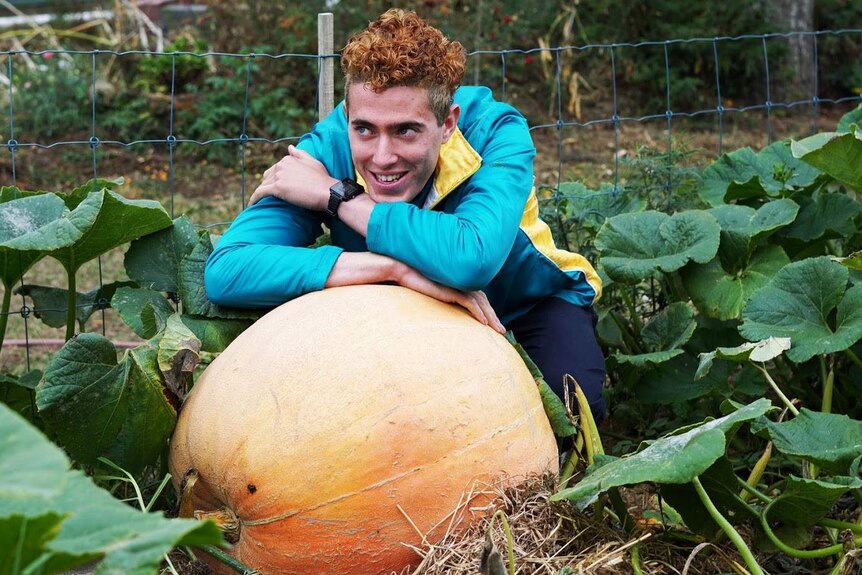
column 489, row 312
column 261, row 192
column 468, row 302
column 297, row 153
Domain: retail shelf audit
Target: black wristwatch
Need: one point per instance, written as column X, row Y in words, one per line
column 343, row 191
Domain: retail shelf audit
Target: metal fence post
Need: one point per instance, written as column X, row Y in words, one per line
column 325, row 46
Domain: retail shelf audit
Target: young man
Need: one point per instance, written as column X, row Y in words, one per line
column 424, row 184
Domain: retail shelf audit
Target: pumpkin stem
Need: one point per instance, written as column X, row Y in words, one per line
column 225, row 519
column 186, row 487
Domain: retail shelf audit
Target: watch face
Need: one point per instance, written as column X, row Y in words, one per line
column 340, row 192
column 350, row 189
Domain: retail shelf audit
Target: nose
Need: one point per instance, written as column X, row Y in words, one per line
column 384, row 152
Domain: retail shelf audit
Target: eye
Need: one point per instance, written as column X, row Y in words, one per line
column 406, row 131
column 362, row 130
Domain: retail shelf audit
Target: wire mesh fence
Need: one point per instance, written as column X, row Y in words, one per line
column 577, row 119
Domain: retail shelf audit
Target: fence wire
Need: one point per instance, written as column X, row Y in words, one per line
column 554, row 127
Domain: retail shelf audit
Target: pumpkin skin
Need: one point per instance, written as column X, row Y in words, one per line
column 335, row 409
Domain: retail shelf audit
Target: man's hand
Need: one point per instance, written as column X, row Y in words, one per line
column 357, row 268
column 475, row 302
column 298, row 179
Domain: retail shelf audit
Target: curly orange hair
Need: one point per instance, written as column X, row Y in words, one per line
column 401, row 49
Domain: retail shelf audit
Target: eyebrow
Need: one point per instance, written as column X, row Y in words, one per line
column 360, row 123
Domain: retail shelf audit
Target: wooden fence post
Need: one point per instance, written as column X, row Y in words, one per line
column 325, row 46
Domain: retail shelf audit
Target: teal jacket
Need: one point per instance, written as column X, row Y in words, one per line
column 476, row 228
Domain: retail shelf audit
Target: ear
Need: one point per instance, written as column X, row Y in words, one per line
column 451, row 122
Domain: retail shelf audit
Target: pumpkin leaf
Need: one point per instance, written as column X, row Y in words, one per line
column 100, row 407
column 178, row 355
column 591, row 208
column 145, row 311
column 836, row 154
column 215, row 334
column 744, row 174
column 847, row 120
column 109, row 221
column 853, row 261
column 78, row 194
column 31, row 226
column 742, row 227
column 664, row 335
column 15, row 392
column 798, row 304
column 50, row 303
column 832, row 441
column 154, row 260
column 827, row 214
column 641, row 245
column 675, row 459
column 805, row 501
column 761, row 351
column 720, row 483
column 721, row 294
column 53, row 519
column 673, row 382
column 192, row 291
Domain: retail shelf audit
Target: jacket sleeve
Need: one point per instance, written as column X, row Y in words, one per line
column 467, row 248
column 262, row 260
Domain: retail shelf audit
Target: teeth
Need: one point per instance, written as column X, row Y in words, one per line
column 388, row 178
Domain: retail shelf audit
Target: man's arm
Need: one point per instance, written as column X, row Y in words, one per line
column 463, row 250
column 263, row 259
column 355, row 268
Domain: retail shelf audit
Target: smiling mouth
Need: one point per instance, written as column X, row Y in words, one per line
column 388, row 178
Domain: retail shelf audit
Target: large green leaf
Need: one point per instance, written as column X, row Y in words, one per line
column 144, row 310
column 836, row 154
column 850, row 118
column 805, row 501
column 723, row 295
column 742, row 227
column 761, row 351
column 830, row 440
column 53, row 519
column 154, row 261
column 675, row 459
column 50, row 303
column 827, row 214
column 112, row 221
column 99, row 407
column 215, row 334
column 193, row 293
column 30, row 227
column 590, row 208
column 664, row 335
column 673, row 382
column 641, row 245
column 799, row 302
column 743, row 174
column 720, row 482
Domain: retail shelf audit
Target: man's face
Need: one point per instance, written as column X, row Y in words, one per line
column 395, row 139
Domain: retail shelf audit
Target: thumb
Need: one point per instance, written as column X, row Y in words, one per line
column 297, row 153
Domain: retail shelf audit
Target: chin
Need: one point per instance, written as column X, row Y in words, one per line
column 390, row 198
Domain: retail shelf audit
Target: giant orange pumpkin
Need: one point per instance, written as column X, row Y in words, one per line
column 346, row 422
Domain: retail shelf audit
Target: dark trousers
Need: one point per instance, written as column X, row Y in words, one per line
column 560, row 338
